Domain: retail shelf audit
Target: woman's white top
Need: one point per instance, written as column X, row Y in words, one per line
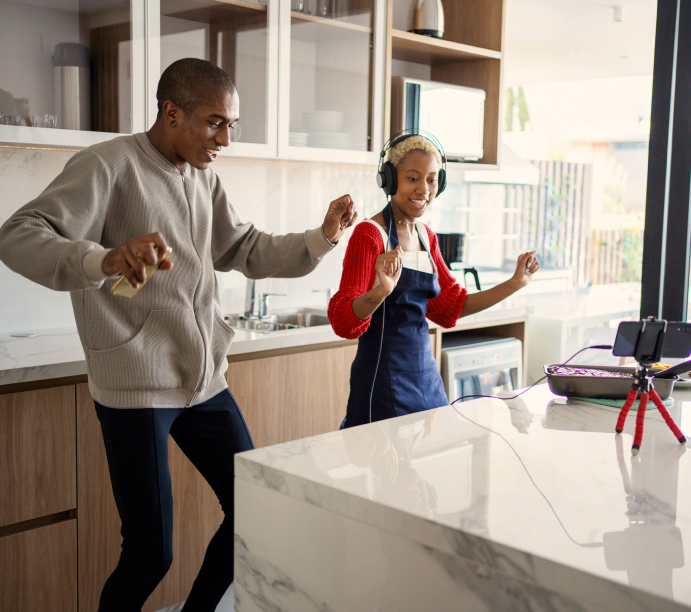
column 415, row 260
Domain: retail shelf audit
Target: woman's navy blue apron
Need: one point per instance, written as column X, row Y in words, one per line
column 407, row 378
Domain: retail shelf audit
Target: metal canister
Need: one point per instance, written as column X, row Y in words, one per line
column 72, row 71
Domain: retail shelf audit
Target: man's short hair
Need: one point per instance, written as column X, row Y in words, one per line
column 189, row 81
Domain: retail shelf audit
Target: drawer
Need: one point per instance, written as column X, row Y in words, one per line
column 38, row 569
column 37, row 454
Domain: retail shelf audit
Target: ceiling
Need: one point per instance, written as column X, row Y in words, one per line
column 566, row 40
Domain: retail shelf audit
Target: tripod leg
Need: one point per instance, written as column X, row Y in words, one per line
column 630, row 399
column 667, row 417
column 640, row 419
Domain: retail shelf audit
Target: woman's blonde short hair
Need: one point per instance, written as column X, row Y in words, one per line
column 412, row 143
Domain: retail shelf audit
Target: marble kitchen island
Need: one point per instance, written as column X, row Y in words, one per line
column 436, row 512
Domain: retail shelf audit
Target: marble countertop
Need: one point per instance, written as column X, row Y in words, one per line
column 58, row 353
column 538, row 488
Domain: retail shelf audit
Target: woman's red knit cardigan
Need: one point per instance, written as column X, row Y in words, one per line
column 364, row 246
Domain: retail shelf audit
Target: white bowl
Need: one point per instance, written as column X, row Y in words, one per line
column 323, row 121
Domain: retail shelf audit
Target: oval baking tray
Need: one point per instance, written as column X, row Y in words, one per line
column 603, row 387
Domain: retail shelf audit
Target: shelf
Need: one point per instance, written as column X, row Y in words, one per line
column 297, row 17
column 218, row 11
column 51, row 138
column 245, row 4
column 427, row 50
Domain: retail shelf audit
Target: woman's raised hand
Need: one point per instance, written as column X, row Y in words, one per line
column 526, row 266
column 388, row 267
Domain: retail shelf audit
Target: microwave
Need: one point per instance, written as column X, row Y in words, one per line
column 454, row 114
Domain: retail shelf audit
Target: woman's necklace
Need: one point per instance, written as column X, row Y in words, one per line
column 400, row 222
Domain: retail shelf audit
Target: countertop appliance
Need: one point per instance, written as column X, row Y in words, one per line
column 480, row 364
column 452, row 248
column 72, row 73
column 428, row 19
column 454, row 114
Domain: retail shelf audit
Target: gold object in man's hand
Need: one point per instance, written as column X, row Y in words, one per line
column 123, row 287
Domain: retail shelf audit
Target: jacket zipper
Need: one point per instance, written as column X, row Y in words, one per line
column 201, row 332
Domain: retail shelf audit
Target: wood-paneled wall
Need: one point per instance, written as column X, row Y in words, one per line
column 38, row 569
column 37, row 454
column 289, row 397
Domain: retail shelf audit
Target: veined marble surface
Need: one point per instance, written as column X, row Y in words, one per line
column 537, row 495
column 56, row 353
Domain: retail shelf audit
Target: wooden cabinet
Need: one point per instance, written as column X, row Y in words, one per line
column 287, row 397
column 37, row 454
column 197, row 515
column 38, row 569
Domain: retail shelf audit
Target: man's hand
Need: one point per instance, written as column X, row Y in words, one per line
column 130, row 258
column 340, row 216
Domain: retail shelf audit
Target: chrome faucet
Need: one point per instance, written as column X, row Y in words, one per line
column 264, row 303
column 249, row 297
column 261, row 303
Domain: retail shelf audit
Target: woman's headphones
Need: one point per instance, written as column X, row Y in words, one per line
column 387, row 178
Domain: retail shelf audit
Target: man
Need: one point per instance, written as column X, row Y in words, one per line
column 156, row 362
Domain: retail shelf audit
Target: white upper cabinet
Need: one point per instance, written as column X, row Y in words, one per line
column 331, row 80
column 310, row 75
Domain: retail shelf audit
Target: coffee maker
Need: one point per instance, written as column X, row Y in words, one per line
column 452, row 247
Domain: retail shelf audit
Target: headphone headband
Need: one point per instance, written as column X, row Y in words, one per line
column 399, row 137
column 386, row 172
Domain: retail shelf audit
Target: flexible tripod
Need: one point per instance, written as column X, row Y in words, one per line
column 642, row 382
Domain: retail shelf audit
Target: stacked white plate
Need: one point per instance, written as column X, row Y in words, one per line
column 323, row 121
column 298, row 139
column 331, row 140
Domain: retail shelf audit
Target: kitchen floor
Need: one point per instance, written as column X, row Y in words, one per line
column 225, row 605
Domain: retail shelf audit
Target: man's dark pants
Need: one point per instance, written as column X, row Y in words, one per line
column 136, row 441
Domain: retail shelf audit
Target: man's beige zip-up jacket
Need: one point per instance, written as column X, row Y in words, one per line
column 168, row 346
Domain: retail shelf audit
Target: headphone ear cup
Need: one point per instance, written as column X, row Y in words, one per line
column 441, row 181
column 390, row 178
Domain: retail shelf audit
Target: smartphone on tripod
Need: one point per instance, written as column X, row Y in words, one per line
column 649, row 340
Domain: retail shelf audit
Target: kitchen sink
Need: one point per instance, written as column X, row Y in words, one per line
column 284, row 319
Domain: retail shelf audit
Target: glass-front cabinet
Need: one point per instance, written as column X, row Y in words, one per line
column 310, row 73
column 331, row 87
column 68, row 71
column 236, row 36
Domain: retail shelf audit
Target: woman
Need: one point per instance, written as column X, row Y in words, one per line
column 394, row 276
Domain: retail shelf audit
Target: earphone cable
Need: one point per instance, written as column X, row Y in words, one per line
column 515, row 452
column 383, row 319
column 530, row 477
column 606, row 347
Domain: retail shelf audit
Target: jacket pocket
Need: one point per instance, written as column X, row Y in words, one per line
column 166, row 353
column 221, row 337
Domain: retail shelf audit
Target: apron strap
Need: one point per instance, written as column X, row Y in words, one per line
column 424, row 237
